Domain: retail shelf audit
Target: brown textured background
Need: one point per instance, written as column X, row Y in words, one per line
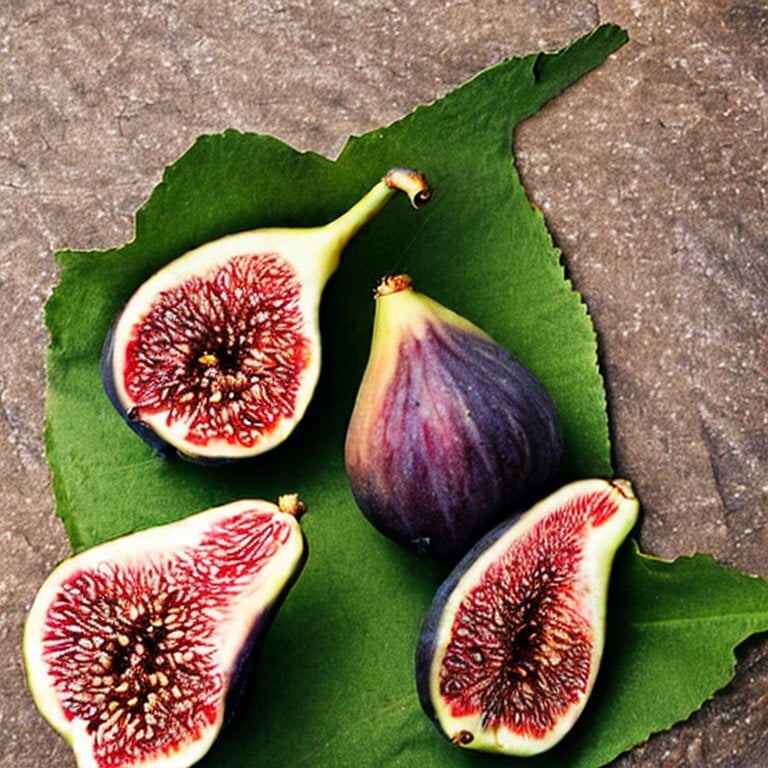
column 651, row 172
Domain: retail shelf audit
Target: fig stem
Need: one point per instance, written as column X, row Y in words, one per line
column 407, row 180
column 624, row 487
column 393, row 284
column 291, row 504
column 410, row 181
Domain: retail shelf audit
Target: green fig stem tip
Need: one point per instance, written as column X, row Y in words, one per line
column 410, row 181
column 393, row 284
column 347, row 225
column 291, row 504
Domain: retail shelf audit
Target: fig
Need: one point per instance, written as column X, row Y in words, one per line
column 136, row 649
column 449, row 432
column 217, row 354
column 511, row 646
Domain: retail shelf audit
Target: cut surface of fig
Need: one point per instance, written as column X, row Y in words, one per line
column 510, row 649
column 449, row 432
column 133, row 647
column 224, row 355
column 217, row 355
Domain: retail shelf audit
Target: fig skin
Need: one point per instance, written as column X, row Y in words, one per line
column 234, row 598
column 604, row 539
column 216, row 356
column 449, row 432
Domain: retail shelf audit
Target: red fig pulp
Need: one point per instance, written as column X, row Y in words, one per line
column 449, row 432
column 510, row 649
column 133, row 648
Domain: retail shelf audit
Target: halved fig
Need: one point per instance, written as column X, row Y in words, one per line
column 511, row 646
column 134, row 649
column 217, row 355
column 449, row 432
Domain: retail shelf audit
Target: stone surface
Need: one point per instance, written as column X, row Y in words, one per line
column 651, row 173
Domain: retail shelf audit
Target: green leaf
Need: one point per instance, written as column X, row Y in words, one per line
column 335, row 680
column 675, row 626
column 479, row 247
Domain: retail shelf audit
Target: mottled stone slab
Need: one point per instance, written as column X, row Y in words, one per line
column 651, row 173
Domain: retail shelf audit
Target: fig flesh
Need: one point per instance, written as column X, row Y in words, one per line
column 217, row 355
column 510, row 649
column 449, row 432
column 135, row 649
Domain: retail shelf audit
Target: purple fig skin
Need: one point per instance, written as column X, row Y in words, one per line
column 449, row 433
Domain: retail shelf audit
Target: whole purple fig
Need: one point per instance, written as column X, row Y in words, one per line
column 449, row 432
